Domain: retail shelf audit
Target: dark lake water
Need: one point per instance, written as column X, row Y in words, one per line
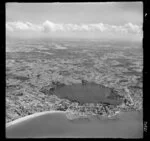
column 89, row 93
column 129, row 125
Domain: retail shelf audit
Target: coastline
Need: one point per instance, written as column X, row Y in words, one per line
column 30, row 117
column 68, row 115
column 46, row 124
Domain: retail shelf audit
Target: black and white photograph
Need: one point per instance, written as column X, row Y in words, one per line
column 74, row 70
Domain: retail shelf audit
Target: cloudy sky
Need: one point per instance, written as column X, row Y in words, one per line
column 119, row 20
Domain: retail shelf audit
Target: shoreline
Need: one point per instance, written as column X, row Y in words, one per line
column 94, row 127
column 67, row 114
column 22, row 119
column 30, row 117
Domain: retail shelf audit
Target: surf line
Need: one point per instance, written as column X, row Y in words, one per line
column 32, row 116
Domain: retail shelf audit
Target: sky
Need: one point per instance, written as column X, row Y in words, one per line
column 114, row 20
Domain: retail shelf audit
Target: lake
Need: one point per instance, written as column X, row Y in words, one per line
column 88, row 93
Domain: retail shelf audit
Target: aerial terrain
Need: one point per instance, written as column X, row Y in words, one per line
column 74, row 70
column 35, row 69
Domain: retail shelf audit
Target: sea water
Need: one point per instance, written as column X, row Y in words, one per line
column 128, row 125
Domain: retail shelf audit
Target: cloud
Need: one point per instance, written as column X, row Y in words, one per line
column 8, row 27
column 100, row 26
column 12, row 26
column 133, row 28
column 49, row 26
